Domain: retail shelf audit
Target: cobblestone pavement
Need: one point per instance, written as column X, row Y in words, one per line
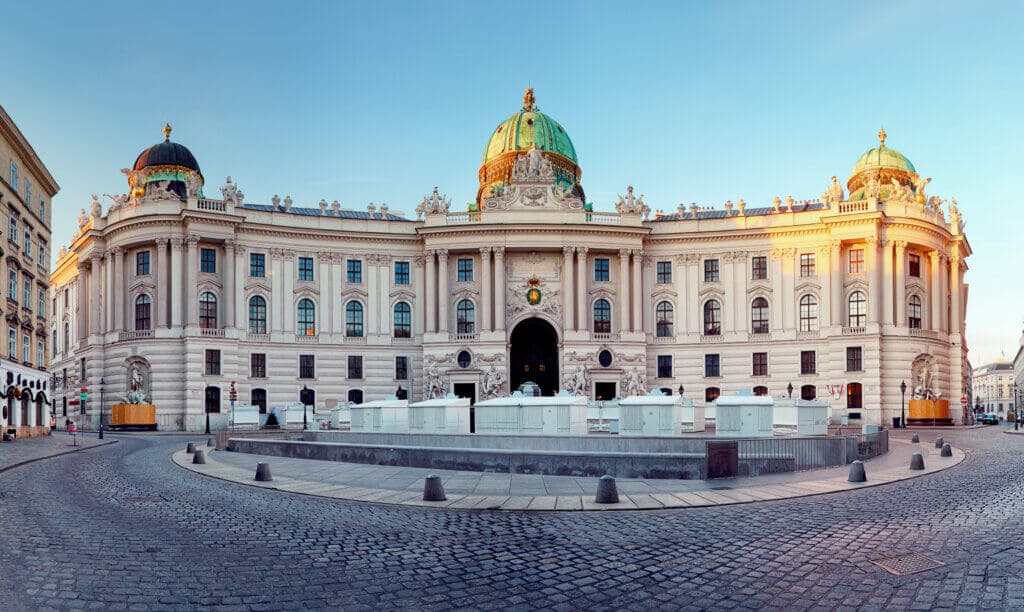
column 121, row 527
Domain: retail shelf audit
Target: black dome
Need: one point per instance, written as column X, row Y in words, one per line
column 167, row 154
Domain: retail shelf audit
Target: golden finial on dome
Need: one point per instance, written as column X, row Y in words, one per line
column 167, row 132
column 881, row 136
column 528, row 99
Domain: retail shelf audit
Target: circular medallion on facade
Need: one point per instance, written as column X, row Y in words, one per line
column 464, row 359
column 604, row 358
column 533, row 296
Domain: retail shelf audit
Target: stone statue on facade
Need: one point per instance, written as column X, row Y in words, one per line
column 96, row 208
column 435, row 203
column 631, row 204
column 231, row 193
column 192, row 185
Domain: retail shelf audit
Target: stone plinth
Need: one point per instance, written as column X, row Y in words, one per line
column 744, row 416
column 559, row 415
column 442, row 415
column 928, row 412
column 651, row 415
column 390, row 415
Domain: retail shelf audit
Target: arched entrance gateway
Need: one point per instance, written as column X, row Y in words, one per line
column 534, row 355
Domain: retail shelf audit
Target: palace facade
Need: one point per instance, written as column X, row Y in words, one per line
column 839, row 299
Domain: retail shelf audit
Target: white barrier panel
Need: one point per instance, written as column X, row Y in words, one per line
column 745, row 416
column 390, row 415
column 559, row 415
column 650, row 415
column 442, row 415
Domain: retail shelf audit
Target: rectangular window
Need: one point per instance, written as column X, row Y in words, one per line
column 355, row 367
column 711, row 271
column 307, row 366
column 257, row 265
column 401, row 368
column 142, row 263
column 354, row 271
column 465, row 271
column 208, row 260
column 808, row 362
column 711, row 366
column 664, row 366
column 12, row 285
column 915, row 265
column 664, row 272
column 305, row 268
column 807, row 264
column 759, row 267
column 258, row 365
column 401, row 273
column 12, row 229
column 853, row 359
column 856, row 261
column 601, row 270
column 12, row 344
column 212, row 362
column 760, row 364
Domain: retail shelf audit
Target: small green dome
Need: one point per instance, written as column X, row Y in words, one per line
column 523, row 129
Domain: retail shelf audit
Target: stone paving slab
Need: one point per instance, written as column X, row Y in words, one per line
column 474, row 490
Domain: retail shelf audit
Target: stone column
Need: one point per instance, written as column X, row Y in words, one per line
column 191, row 276
column 118, row 299
column 229, row 283
column 956, row 317
column 934, row 286
column 887, row 282
column 567, row 295
column 160, row 300
column 901, row 282
column 486, row 290
column 442, row 291
column 178, row 278
column 623, row 298
column 499, row 288
column 837, row 283
column 638, row 320
column 874, row 274
column 95, row 278
column 775, row 276
column 431, row 292
column 581, row 289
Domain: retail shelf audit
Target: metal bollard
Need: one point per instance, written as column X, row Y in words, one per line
column 607, row 492
column 915, row 439
column 263, row 472
column 947, row 450
column 199, row 457
column 917, row 461
column 191, row 448
column 857, row 473
column 939, row 442
column 433, row 489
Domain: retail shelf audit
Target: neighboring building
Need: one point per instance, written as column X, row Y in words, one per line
column 26, row 190
column 843, row 298
column 994, row 389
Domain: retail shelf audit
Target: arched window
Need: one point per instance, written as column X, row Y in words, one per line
column 258, row 397
column 403, row 320
column 759, row 316
column 808, row 392
column 355, row 396
column 143, row 306
column 761, row 390
column 307, row 318
column 208, row 310
column 602, row 317
column 257, row 314
column 712, row 318
column 664, row 319
column 808, row 313
column 465, row 317
column 858, row 307
column 711, row 394
column 354, row 319
column 914, row 312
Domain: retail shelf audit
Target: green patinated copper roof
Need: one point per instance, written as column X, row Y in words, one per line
column 521, row 130
column 883, row 157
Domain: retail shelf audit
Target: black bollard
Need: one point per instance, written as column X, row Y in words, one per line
column 857, row 473
column 199, row 457
column 947, row 450
column 607, row 492
column 433, row 490
column 939, row 442
column 915, row 439
column 917, row 461
column 191, row 448
column 263, row 472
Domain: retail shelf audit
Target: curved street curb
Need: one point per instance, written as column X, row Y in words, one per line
column 695, row 499
column 33, row 460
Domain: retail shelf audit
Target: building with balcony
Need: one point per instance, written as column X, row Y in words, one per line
column 839, row 298
column 26, row 190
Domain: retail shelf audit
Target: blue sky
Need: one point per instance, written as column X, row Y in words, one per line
column 690, row 102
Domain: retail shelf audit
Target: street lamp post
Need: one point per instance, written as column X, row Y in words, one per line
column 903, row 402
column 102, row 383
